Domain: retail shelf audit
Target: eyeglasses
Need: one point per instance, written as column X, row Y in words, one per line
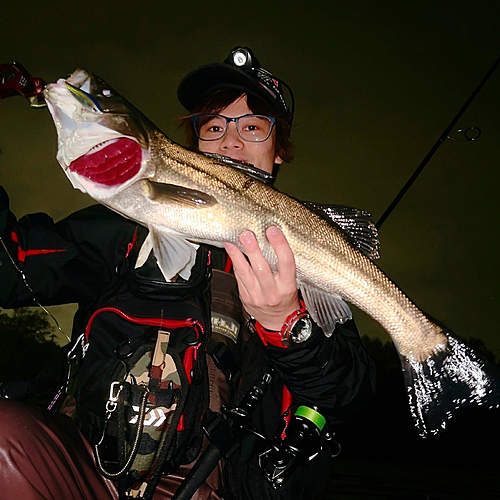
column 251, row 128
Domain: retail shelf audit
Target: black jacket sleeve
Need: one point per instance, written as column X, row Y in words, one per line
column 65, row 262
column 333, row 373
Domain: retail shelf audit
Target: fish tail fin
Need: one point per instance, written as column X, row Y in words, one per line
column 453, row 377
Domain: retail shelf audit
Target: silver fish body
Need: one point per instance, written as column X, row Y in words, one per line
column 326, row 262
column 186, row 198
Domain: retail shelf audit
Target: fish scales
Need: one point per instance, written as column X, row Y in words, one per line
column 183, row 197
column 324, row 259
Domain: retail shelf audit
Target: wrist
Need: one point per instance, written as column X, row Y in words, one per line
column 296, row 328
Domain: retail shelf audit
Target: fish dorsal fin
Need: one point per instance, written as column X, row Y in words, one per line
column 170, row 193
column 325, row 309
column 174, row 254
column 356, row 223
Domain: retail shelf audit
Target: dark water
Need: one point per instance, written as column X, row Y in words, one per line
column 384, row 458
column 363, row 480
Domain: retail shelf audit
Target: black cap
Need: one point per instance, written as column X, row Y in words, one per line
column 240, row 71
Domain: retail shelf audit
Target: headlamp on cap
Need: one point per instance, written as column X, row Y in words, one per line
column 242, row 57
column 240, row 71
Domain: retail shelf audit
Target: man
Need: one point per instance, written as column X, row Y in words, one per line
column 268, row 297
column 239, row 111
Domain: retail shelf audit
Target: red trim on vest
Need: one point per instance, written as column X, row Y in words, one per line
column 181, row 426
column 22, row 254
column 229, row 265
column 286, row 404
column 131, row 244
column 188, row 362
column 162, row 323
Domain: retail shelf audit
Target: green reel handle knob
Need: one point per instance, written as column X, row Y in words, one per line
column 312, row 415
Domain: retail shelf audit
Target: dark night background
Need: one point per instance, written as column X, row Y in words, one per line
column 375, row 84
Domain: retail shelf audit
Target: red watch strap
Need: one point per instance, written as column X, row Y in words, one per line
column 280, row 339
column 269, row 336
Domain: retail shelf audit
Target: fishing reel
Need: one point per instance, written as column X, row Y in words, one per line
column 295, row 444
column 302, row 440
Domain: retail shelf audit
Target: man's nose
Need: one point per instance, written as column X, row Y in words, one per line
column 231, row 139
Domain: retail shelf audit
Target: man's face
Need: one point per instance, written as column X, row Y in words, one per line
column 260, row 154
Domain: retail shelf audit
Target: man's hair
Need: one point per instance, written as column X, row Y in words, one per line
column 220, row 99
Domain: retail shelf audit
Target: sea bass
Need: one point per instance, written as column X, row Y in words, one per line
column 111, row 151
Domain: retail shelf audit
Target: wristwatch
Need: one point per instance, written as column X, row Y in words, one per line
column 297, row 328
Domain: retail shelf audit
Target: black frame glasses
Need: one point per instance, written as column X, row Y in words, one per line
column 247, row 136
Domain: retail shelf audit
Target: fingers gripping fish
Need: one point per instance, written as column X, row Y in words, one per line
column 109, row 150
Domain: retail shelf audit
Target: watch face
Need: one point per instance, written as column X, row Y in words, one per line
column 301, row 331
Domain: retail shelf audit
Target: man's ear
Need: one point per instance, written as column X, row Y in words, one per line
column 278, row 160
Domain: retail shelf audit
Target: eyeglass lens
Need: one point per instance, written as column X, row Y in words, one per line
column 253, row 128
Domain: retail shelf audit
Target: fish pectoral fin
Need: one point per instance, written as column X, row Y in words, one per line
column 170, row 193
column 325, row 309
column 174, row 254
column 144, row 252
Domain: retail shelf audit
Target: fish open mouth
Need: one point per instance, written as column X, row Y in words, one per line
column 110, row 163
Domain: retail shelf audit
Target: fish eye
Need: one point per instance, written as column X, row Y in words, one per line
column 107, row 93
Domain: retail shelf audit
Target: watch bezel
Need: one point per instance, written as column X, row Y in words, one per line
column 300, row 330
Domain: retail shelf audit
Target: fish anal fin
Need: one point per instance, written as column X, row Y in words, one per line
column 325, row 309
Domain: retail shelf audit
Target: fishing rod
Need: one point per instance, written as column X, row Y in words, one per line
column 434, row 148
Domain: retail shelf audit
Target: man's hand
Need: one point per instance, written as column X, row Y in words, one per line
column 268, row 297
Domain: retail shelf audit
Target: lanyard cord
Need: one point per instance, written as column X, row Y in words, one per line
column 23, row 276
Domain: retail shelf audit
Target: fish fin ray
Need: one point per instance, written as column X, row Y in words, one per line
column 174, row 254
column 357, row 224
column 170, row 193
column 144, row 251
column 325, row 309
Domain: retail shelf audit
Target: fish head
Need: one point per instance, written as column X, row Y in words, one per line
column 103, row 141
